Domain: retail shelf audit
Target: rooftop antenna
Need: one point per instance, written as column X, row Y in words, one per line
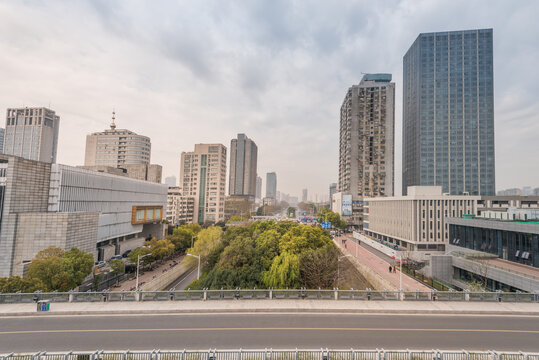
column 112, row 124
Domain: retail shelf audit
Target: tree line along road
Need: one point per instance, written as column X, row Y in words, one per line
column 267, row 330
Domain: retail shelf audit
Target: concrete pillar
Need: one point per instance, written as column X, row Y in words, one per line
column 466, row 295
column 71, row 296
column 271, row 294
column 205, row 294
column 336, row 291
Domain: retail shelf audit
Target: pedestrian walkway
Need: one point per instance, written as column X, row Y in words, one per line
column 275, row 305
column 379, row 266
column 148, row 275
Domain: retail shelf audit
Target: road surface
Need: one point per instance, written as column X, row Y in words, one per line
column 268, row 330
column 183, row 281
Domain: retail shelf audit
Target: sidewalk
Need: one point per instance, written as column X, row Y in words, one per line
column 148, row 275
column 380, row 266
column 249, row 306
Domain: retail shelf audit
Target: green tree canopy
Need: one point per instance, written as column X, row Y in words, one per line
column 284, row 272
column 59, row 270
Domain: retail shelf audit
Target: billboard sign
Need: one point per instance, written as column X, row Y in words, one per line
column 346, row 205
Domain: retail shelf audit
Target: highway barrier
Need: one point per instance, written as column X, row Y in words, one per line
column 274, row 294
column 268, row 354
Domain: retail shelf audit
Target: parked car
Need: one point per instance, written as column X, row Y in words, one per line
column 117, row 257
column 126, row 253
column 101, row 264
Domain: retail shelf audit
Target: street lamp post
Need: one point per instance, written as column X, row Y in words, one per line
column 198, row 270
column 400, row 273
column 138, row 264
column 338, row 267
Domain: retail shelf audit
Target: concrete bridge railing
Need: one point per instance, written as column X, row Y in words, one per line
column 270, row 294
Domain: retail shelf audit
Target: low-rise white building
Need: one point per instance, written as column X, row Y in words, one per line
column 416, row 221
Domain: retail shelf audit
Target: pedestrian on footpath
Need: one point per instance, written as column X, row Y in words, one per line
column 389, row 268
column 394, row 269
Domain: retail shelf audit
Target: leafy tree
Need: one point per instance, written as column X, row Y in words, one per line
column 267, row 247
column 14, row 284
column 161, row 248
column 141, row 251
column 284, row 272
column 59, row 270
column 235, row 219
column 302, row 238
column 117, row 266
column 318, row 268
column 207, row 240
column 79, row 263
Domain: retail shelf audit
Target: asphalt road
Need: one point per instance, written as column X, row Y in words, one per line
column 183, row 281
column 277, row 331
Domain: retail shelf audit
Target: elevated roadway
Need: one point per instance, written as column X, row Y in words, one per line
column 268, row 330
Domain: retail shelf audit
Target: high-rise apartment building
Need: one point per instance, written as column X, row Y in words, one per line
column 367, row 142
column 243, row 161
column 116, row 147
column 304, row 195
column 448, row 113
column 203, row 176
column 271, row 185
column 121, row 149
column 32, row 133
column 258, row 187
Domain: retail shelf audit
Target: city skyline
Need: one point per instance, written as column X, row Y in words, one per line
column 285, row 93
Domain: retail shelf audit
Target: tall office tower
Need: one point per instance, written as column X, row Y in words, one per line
column 258, row 187
column 243, row 160
column 448, row 113
column 2, row 134
column 116, row 147
column 367, row 142
column 271, row 185
column 170, row 181
column 203, row 177
column 304, row 193
column 32, row 133
column 332, row 190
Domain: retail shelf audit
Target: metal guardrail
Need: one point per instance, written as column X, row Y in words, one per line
column 269, row 354
column 275, row 294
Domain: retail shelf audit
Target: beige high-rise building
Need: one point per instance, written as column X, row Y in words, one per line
column 122, row 149
column 367, row 142
column 203, row 177
column 32, row 133
column 116, row 148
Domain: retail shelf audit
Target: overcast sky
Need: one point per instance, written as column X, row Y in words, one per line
column 186, row 72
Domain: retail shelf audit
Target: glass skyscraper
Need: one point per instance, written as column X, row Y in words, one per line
column 448, row 112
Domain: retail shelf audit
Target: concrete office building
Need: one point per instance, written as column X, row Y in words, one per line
column 170, row 181
column 47, row 205
column 203, row 176
column 417, row 221
column 271, row 185
column 147, row 172
column 243, row 163
column 448, row 113
column 258, row 187
column 367, row 141
column 2, row 134
column 32, row 133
